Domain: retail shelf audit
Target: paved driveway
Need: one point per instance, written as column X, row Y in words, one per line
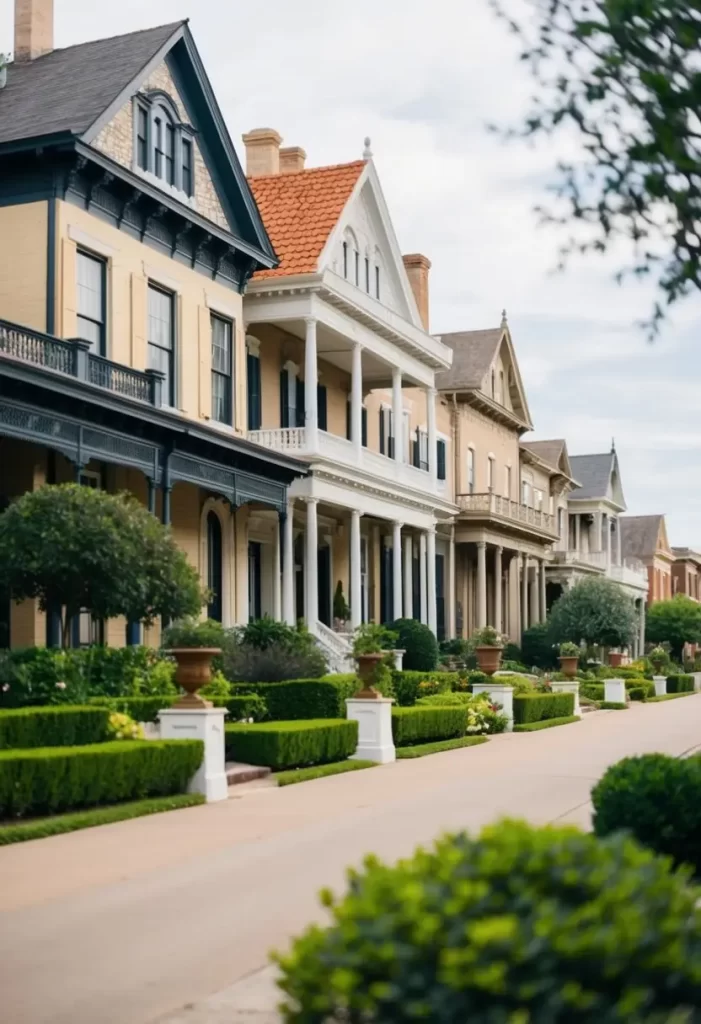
column 128, row 922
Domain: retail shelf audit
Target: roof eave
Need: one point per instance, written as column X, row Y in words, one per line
column 485, row 404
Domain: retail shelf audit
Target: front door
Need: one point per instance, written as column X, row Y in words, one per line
column 324, row 584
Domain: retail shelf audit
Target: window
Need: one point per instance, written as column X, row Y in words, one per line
column 377, row 282
column 187, row 167
column 92, row 281
column 214, row 566
column 163, row 145
column 363, row 424
column 440, row 459
column 525, row 492
column 222, row 391
column 158, row 146
column 345, row 260
column 291, row 397
column 253, row 385
column 161, row 338
column 490, row 473
column 538, row 499
column 507, row 481
column 367, row 275
column 470, row 471
column 357, row 267
column 560, row 522
column 500, row 396
column 494, row 379
column 386, row 433
column 142, row 138
column 170, row 152
column 321, row 407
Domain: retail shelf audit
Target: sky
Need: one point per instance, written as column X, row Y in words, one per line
column 424, row 81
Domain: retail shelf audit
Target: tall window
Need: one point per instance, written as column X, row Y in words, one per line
column 494, row 384
column 500, row 396
column 377, row 282
column 525, row 492
column 367, row 275
column 357, row 267
column 470, row 471
column 142, row 138
column 222, row 392
column 163, row 145
column 214, row 566
column 158, row 146
column 161, row 338
column 490, row 473
column 538, row 499
column 187, row 179
column 169, row 152
column 345, row 260
column 560, row 522
column 440, row 459
column 92, row 300
column 253, row 382
column 507, row 481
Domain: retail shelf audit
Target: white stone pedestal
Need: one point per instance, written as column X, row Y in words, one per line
column 206, row 724
column 398, row 653
column 374, row 718
column 569, row 687
column 499, row 694
column 660, row 685
column 697, row 681
column 614, row 691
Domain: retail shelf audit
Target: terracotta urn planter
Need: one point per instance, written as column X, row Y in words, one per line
column 615, row 659
column 488, row 659
column 568, row 665
column 193, row 671
column 367, row 663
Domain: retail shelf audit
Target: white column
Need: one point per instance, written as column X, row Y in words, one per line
column 288, row 568
column 431, row 578
column 641, row 637
column 408, row 577
column 397, row 570
column 355, row 580
column 311, row 612
column 543, row 598
column 518, row 624
column 535, row 595
column 598, row 532
column 481, row 584
column 311, row 379
column 431, row 427
column 619, row 555
column 357, row 399
column 607, row 521
column 423, row 602
column 577, row 532
column 450, row 630
column 277, row 573
column 498, row 617
column 524, row 594
column 397, row 414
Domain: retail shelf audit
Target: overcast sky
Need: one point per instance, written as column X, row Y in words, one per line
column 423, row 80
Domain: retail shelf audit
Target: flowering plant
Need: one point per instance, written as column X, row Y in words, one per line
column 488, row 637
column 122, row 727
column 569, row 650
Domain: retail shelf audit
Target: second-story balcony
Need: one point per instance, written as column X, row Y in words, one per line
column 631, row 572
column 503, row 511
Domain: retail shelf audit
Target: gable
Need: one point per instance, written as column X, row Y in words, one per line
column 502, row 381
column 615, row 488
column 662, row 539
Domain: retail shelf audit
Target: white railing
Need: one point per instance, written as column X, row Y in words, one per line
column 337, row 648
column 283, row 439
column 632, row 572
column 593, row 559
column 496, row 505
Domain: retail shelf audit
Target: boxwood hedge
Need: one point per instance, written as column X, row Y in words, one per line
column 294, row 744
column 146, row 709
column 302, row 698
column 537, row 707
column 425, row 724
column 66, row 725
column 680, row 684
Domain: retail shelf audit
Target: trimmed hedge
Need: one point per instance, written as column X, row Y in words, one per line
column 422, row 724
column 418, row 643
column 321, row 771
column 299, row 699
column 668, row 696
column 593, row 691
column 546, row 723
column 146, row 709
column 537, row 707
column 52, row 779
column 61, row 726
column 295, row 744
column 680, row 684
column 439, row 747
column 613, row 705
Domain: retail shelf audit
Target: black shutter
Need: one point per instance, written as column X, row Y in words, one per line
column 390, row 435
column 284, row 399
column 382, row 431
column 300, row 403
column 321, row 406
column 348, row 421
column 440, row 459
column 364, row 428
column 253, row 376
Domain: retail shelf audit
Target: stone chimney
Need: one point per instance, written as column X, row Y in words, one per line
column 417, row 268
column 34, row 28
column 262, row 152
column 292, row 159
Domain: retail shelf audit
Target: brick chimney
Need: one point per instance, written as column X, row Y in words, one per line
column 34, row 28
column 262, row 151
column 417, row 268
column 292, row 159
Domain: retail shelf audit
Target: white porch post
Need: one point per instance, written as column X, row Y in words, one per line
column 357, row 399
column 498, row 624
column 311, row 380
column 481, row 584
column 431, row 428
column 355, row 580
column 607, row 521
column 397, row 414
column 524, row 594
column 408, row 577
column 641, row 638
column 619, row 554
column 423, row 602
column 577, row 532
column 312, row 566
column 397, row 570
column 451, row 599
column 599, row 531
column 535, row 595
column 277, row 572
column 288, row 568
column 431, row 578
column 543, row 598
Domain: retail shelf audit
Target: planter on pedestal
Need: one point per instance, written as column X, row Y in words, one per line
column 193, row 671
column 615, row 659
column 660, row 685
column 488, row 659
column 569, row 664
column 367, row 665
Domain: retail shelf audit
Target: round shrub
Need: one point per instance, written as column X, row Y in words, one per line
column 521, row 924
column 418, row 642
column 656, row 798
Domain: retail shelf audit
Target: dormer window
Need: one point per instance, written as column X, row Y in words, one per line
column 163, row 144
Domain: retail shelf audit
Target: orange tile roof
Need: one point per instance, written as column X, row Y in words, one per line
column 300, row 210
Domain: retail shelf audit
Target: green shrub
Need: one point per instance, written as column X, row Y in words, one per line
column 52, row 779
column 537, row 647
column 514, row 666
column 146, row 709
column 409, row 686
column 269, row 651
column 439, row 747
column 63, row 726
column 593, row 691
column 613, row 705
column 656, row 798
column 638, row 693
column 520, row 684
column 512, row 652
column 295, row 775
column 445, row 700
column 626, row 672
column 546, row 723
column 280, row 745
column 680, row 683
column 466, row 680
column 537, row 707
column 302, row 698
column 519, row 925
column 418, row 642
column 668, row 696
column 421, row 724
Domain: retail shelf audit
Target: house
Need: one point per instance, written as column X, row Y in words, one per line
column 686, row 573
column 645, row 539
column 341, row 373
column 129, row 234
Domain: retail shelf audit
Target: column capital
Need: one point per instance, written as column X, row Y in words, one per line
column 481, row 544
column 356, row 513
column 358, row 346
column 499, row 548
column 397, row 524
column 430, row 530
column 396, row 373
column 312, row 501
column 431, row 391
column 310, row 321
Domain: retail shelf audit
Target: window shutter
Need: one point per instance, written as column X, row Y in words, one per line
column 253, row 379
column 321, row 409
column 364, row 428
column 284, row 399
column 300, row 403
column 382, row 431
column 440, row 459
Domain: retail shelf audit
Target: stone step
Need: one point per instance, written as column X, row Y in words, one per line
column 238, row 773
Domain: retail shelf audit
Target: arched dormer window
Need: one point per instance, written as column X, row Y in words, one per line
column 163, row 145
column 351, row 257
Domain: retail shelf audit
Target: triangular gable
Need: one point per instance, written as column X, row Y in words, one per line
column 505, row 361
column 662, row 539
column 563, row 463
column 615, row 488
column 221, row 192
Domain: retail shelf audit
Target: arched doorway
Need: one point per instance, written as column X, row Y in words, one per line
column 214, row 566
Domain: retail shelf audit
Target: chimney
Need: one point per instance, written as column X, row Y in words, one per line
column 292, row 159
column 34, row 28
column 262, row 152
column 417, row 268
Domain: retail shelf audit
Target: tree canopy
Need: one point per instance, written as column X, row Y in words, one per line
column 595, row 611
column 625, row 76
column 75, row 548
column 677, row 622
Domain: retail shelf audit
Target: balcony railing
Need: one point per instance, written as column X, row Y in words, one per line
column 495, row 505
column 631, row 572
column 74, row 358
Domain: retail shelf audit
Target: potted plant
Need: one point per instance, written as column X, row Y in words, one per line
column 341, row 611
column 4, row 61
column 371, row 646
column 569, row 658
column 488, row 647
column 658, row 658
column 193, row 644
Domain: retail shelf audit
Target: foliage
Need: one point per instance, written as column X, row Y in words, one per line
column 74, row 547
column 656, row 798
column 546, row 723
column 613, row 705
column 409, row 686
column 658, row 657
column 122, row 727
column 59, row 823
column 512, row 652
column 302, row 698
column 570, row 650
column 372, row 638
column 418, row 642
column 146, row 709
column 421, row 724
column 280, row 745
column 454, row 648
column 667, row 696
column 640, row 690
column 294, row 775
column 217, row 690
column 519, row 684
column 341, row 611
column 514, row 666
column 623, row 74
column 409, row 753
column 264, row 633
column 449, row 699
column 52, row 727
column 595, row 611
column 270, row 651
column 519, row 924
column 467, row 680
column 537, row 646
column 680, row 684
column 593, row 691
column 488, row 637
column 677, row 621
column 537, row 707
column 52, row 779
column 193, row 633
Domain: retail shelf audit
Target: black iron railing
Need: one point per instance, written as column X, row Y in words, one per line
column 40, row 349
column 122, row 379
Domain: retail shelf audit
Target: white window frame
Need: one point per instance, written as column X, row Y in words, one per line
column 470, row 470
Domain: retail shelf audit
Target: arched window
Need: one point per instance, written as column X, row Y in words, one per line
column 163, row 145
column 214, row 566
column 351, row 257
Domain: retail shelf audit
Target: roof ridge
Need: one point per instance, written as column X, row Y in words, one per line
column 120, row 35
column 282, row 175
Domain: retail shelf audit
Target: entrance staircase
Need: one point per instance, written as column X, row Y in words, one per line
column 336, row 647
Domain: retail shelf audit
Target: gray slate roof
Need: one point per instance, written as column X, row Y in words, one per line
column 549, row 452
column 593, row 473
column 473, row 352
column 639, row 535
column 66, row 90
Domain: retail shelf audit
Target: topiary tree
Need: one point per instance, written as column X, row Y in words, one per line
column 677, row 622
column 521, row 924
column 595, row 611
column 75, row 548
column 537, row 648
column 419, row 643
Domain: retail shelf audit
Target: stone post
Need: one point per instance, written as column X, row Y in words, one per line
column 206, row 724
column 614, row 691
column 374, row 718
column 660, row 685
column 498, row 693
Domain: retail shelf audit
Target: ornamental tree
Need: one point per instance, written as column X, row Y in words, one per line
column 677, row 621
column 595, row 611
column 75, row 548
